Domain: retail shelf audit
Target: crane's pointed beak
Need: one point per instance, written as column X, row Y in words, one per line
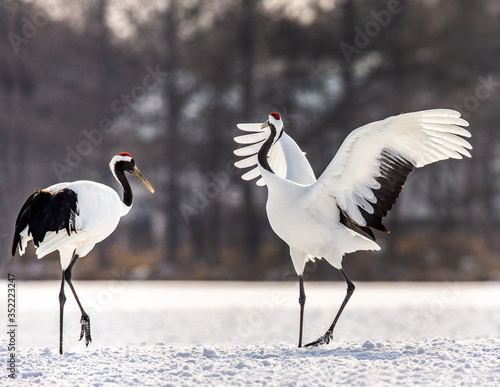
column 265, row 125
column 142, row 179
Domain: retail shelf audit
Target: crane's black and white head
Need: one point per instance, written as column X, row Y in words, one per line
column 122, row 163
column 275, row 124
column 273, row 128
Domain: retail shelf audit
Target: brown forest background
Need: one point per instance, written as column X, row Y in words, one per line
column 168, row 81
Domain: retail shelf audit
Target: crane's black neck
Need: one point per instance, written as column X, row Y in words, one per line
column 128, row 197
column 264, row 149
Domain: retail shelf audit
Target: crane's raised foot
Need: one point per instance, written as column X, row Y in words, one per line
column 85, row 321
column 325, row 339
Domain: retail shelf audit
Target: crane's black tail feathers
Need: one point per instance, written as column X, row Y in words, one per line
column 46, row 211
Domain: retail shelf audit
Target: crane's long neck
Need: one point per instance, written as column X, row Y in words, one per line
column 264, row 149
column 128, row 197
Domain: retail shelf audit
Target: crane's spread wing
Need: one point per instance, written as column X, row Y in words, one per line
column 286, row 159
column 43, row 212
column 367, row 174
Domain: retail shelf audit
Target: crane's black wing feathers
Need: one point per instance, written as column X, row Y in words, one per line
column 46, row 211
column 394, row 170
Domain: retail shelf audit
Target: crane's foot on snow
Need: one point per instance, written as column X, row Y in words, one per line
column 85, row 321
column 323, row 340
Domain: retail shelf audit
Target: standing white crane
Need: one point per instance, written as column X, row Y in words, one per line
column 321, row 218
column 72, row 218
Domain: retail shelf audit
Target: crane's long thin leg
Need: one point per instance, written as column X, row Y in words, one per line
column 325, row 339
column 85, row 320
column 62, row 300
column 302, row 301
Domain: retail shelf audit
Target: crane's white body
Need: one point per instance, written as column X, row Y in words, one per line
column 308, row 229
column 99, row 211
column 305, row 212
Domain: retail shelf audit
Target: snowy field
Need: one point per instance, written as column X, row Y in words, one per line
column 234, row 333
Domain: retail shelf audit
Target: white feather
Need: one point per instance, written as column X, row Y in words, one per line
column 250, row 138
column 248, row 162
column 253, row 127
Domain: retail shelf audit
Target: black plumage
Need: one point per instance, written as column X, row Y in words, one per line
column 46, row 211
column 348, row 222
column 394, row 170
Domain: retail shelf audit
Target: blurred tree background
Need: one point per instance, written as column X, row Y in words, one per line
column 168, row 81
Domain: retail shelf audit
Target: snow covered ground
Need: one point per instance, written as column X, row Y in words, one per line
column 234, row 333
